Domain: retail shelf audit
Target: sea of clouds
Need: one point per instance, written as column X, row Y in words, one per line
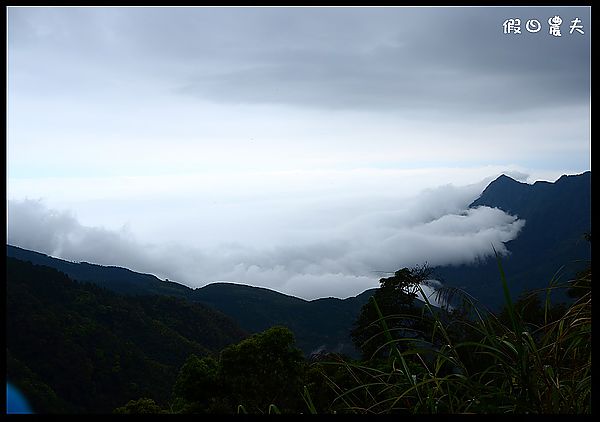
column 306, row 246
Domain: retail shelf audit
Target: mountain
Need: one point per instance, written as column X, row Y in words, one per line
column 317, row 324
column 79, row 348
column 557, row 217
column 117, row 279
column 321, row 324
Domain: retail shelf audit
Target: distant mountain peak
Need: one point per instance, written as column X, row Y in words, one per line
column 570, row 177
column 517, row 198
column 505, row 179
column 499, row 190
column 557, row 217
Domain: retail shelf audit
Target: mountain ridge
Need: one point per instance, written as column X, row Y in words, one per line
column 40, row 258
column 317, row 323
column 557, row 216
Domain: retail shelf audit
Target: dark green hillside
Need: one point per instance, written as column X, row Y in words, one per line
column 317, row 324
column 558, row 215
column 120, row 280
column 81, row 348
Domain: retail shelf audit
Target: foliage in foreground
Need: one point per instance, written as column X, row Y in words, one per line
column 533, row 357
column 249, row 377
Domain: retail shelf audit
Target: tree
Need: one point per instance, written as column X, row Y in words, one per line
column 262, row 370
column 198, row 386
column 395, row 299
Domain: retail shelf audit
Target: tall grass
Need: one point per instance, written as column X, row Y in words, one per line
column 477, row 363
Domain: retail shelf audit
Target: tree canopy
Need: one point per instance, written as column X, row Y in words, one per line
column 395, row 302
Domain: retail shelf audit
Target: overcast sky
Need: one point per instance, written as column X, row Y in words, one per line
column 300, row 149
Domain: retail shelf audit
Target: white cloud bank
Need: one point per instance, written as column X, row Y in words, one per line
column 317, row 254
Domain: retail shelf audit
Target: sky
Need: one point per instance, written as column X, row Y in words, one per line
column 309, row 150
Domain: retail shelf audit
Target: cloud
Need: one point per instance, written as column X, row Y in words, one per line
column 32, row 225
column 405, row 58
column 340, row 259
column 460, row 62
column 183, row 89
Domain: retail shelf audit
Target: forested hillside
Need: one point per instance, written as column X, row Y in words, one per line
column 322, row 324
column 74, row 347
